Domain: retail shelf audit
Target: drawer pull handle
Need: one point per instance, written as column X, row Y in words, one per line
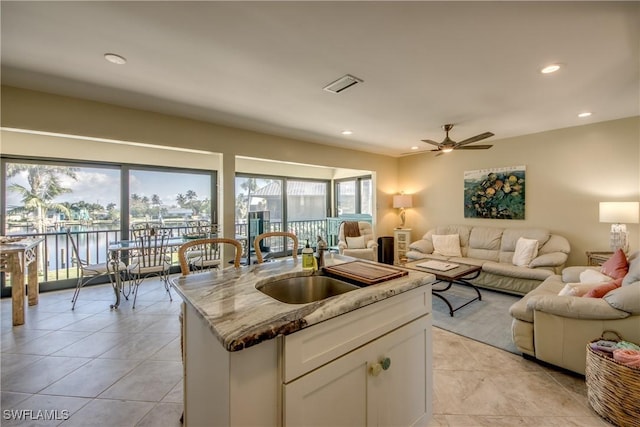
column 386, row 363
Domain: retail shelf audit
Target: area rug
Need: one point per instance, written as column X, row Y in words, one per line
column 487, row 321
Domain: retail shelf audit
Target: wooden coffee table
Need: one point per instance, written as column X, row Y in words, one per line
column 459, row 275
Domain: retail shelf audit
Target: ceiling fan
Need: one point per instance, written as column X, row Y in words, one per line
column 448, row 145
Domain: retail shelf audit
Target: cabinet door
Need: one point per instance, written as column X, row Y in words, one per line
column 347, row 392
column 334, row 395
column 399, row 395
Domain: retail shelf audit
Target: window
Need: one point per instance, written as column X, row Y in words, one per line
column 354, row 196
column 169, row 197
column 97, row 202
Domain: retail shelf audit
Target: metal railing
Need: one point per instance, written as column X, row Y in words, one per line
column 55, row 258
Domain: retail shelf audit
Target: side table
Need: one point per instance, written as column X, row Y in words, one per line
column 596, row 258
column 401, row 241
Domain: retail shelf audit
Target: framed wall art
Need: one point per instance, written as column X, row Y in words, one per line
column 497, row 193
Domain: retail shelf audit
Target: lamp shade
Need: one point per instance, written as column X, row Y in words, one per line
column 620, row 212
column 402, row 201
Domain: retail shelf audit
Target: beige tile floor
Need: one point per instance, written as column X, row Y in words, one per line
column 102, row 367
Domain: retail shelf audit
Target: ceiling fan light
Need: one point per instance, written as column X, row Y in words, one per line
column 447, row 150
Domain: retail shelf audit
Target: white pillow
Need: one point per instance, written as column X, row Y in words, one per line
column 578, row 289
column 526, row 251
column 446, row 244
column 355, row 242
column 594, row 276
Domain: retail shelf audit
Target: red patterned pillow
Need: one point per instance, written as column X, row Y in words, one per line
column 603, row 289
column 616, row 266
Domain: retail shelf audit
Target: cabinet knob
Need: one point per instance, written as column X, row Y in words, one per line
column 386, row 363
column 376, row 368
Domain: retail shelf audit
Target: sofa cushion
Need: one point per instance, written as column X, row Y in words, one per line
column 510, row 238
column 577, row 289
column 634, row 269
column 446, row 245
column 603, row 289
column 511, row 270
column 422, row 245
column 594, row 276
column 355, row 242
column 484, row 243
column 625, row 298
column 526, row 251
column 546, row 260
column 616, row 266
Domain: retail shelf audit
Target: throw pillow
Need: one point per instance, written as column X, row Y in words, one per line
column 526, row 251
column 577, row 289
column 355, row 242
column 594, row 276
column 625, row 298
column 446, row 244
column 616, row 266
column 603, row 289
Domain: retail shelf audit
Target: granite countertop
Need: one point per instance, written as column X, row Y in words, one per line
column 241, row 316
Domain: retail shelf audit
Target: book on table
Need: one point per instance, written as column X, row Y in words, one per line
column 438, row 265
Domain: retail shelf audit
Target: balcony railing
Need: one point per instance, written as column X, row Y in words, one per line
column 56, row 253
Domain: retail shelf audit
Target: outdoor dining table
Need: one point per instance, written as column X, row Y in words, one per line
column 20, row 255
column 119, row 250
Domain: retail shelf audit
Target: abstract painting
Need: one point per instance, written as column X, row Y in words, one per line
column 496, row 193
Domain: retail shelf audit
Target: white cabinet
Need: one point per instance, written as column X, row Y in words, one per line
column 401, row 242
column 385, row 382
column 330, row 373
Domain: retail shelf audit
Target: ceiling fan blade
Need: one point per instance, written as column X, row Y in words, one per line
column 428, row 141
column 474, row 147
column 475, row 138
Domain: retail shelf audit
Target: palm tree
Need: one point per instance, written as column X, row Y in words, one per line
column 44, row 187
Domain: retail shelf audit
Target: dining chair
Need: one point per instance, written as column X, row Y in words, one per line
column 150, row 258
column 206, row 252
column 88, row 272
column 285, row 234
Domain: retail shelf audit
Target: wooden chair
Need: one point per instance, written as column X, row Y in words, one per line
column 206, row 250
column 259, row 237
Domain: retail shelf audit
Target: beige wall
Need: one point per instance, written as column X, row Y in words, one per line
column 569, row 171
column 24, row 109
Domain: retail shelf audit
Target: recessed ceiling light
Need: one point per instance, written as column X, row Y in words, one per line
column 550, row 69
column 347, row 132
column 585, row 114
column 115, row 59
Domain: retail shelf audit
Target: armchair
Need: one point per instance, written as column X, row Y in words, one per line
column 363, row 246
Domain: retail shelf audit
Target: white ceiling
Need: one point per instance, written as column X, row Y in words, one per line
column 262, row 65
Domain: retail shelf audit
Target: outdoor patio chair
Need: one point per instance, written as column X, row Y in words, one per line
column 88, row 272
column 150, row 258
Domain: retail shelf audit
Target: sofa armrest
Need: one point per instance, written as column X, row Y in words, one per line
column 553, row 259
column 372, row 244
column 572, row 274
column 575, row 307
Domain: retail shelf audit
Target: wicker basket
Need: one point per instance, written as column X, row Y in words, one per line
column 613, row 388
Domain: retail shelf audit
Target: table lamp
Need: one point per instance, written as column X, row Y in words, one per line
column 619, row 214
column 402, row 201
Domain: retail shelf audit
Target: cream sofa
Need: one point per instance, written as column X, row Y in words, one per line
column 556, row 329
column 493, row 249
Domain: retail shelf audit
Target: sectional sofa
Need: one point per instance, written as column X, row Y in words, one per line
column 493, row 249
column 556, row 328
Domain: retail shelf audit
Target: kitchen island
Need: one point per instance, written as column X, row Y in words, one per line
column 359, row 358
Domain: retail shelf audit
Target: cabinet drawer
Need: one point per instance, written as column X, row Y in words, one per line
column 313, row 347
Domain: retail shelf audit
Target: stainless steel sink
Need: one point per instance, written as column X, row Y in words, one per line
column 305, row 289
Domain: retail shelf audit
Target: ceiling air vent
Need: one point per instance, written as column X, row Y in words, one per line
column 342, row 83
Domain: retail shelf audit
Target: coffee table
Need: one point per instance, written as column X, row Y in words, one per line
column 459, row 275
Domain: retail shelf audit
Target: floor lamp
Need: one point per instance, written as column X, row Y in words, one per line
column 619, row 214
